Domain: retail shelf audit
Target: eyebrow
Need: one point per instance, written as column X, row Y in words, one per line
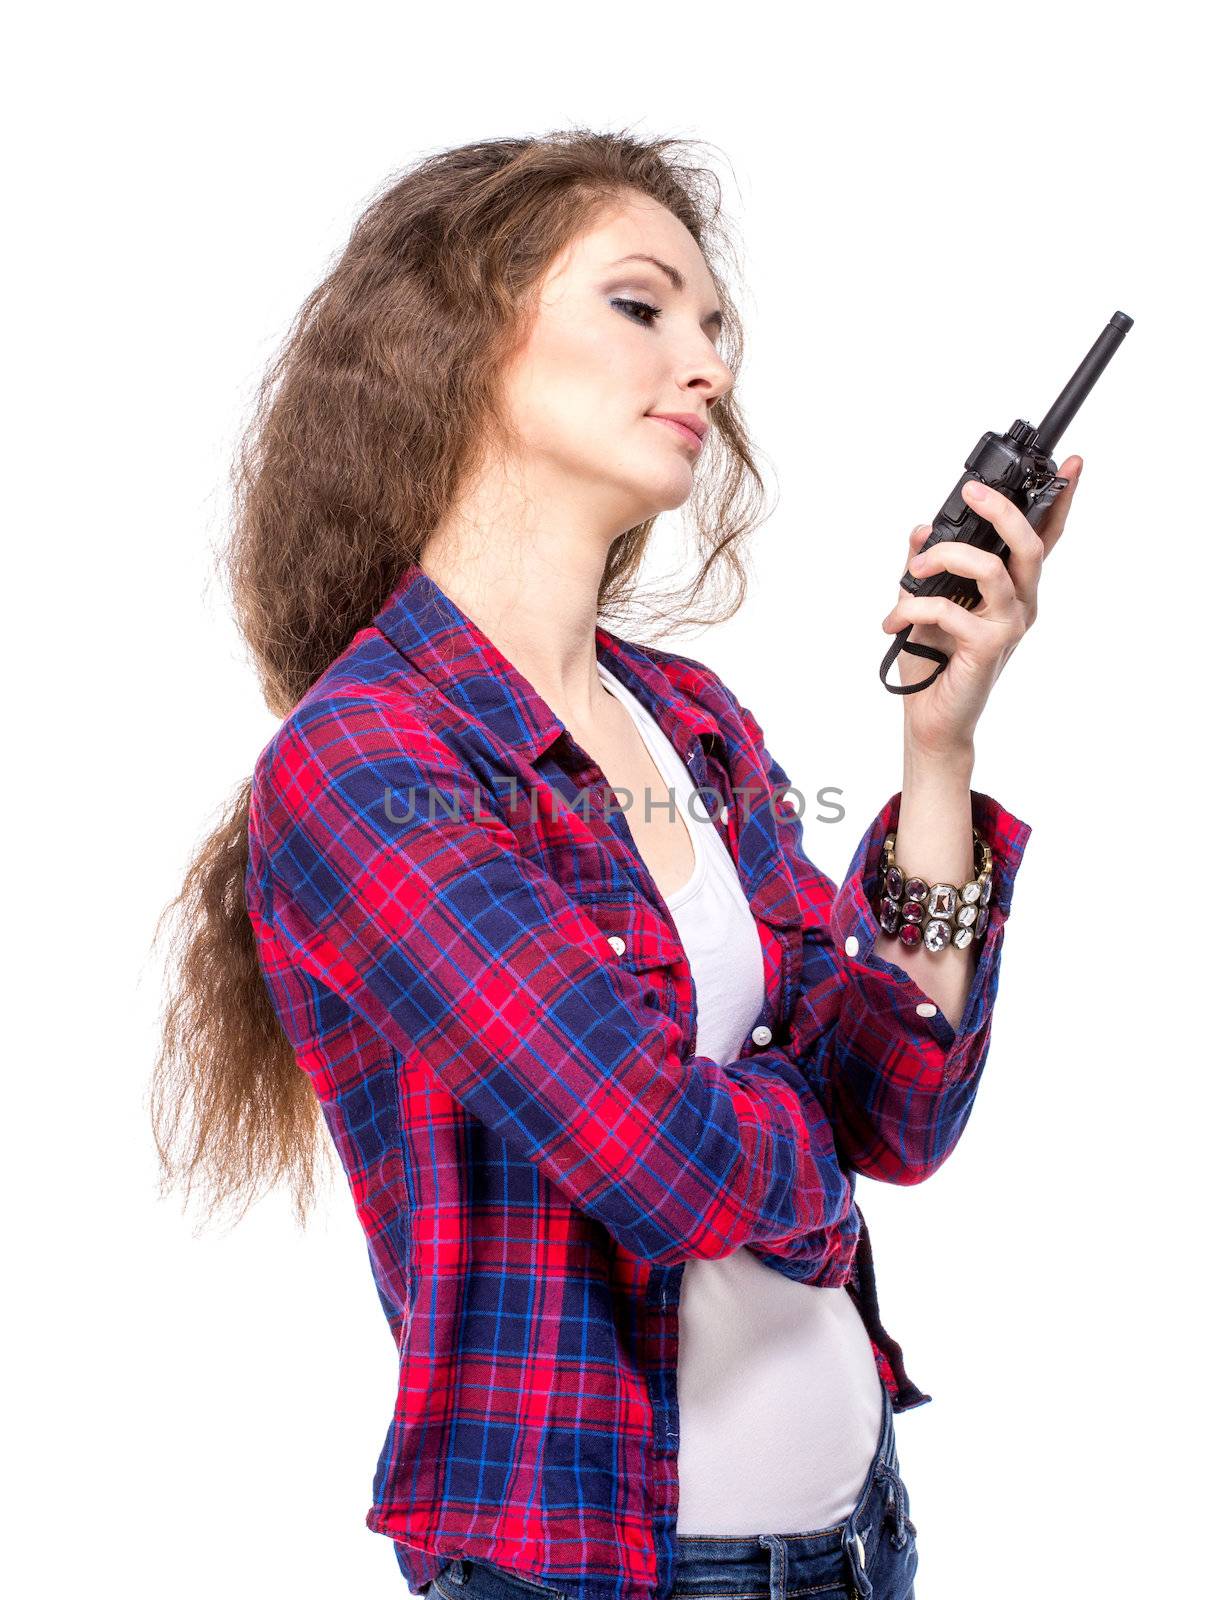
column 679, row 282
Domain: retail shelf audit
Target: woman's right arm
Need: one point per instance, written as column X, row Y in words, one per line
column 480, row 970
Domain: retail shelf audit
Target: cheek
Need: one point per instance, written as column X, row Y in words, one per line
column 575, row 381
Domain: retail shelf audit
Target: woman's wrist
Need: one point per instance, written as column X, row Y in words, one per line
column 933, row 829
column 953, row 764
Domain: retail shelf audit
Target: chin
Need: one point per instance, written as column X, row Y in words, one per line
column 679, row 497
column 668, row 490
column 648, row 489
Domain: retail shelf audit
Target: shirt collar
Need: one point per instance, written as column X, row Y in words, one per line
column 427, row 627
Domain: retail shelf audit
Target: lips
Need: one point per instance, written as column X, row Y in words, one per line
column 686, row 424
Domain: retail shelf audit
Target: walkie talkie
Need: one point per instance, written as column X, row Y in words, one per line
column 1017, row 465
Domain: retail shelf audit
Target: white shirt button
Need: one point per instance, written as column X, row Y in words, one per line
column 926, row 1008
column 762, row 1034
column 616, row 944
column 851, row 944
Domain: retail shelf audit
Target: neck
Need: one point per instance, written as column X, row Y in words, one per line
column 532, row 586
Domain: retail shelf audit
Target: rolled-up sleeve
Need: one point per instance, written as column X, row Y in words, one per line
column 898, row 1084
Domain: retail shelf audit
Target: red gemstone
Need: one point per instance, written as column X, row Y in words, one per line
column 910, row 934
column 912, row 911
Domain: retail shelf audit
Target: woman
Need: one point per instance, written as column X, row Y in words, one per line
column 495, row 852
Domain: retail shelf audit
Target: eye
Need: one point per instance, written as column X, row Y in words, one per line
column 651, row 312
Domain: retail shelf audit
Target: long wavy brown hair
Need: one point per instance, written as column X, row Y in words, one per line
column 365, row 426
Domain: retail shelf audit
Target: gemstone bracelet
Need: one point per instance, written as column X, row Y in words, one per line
column 936, row 913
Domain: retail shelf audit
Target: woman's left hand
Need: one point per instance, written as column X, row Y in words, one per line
column 940, row 721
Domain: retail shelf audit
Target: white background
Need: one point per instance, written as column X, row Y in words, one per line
column 940, row 208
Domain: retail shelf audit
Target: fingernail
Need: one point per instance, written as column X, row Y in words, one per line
column 973, row 490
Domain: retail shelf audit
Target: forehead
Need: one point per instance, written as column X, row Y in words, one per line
column 639, row 226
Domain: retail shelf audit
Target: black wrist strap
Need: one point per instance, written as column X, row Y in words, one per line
column 930, row 652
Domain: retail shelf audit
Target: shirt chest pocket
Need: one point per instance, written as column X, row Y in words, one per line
column 639, row 940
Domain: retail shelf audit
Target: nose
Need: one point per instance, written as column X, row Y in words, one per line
column 711, row 379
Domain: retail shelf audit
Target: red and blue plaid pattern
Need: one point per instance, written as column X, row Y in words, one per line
column 490, row 998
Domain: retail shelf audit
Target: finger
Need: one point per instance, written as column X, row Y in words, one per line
column 942, row 612
column 915, row 541
column 996, row 584
column 1053, row 525
column 1025, row 546
column 1004, row 516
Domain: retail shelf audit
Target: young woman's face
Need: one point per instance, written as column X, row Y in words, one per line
column 615, row 343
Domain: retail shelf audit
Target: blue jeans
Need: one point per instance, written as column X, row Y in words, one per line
column 870, row 1556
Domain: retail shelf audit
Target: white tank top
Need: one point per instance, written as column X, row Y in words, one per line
column 779, row 1397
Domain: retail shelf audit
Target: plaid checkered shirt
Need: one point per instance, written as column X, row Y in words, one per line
column 490, row 998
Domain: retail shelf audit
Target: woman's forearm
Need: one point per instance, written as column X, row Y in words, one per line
column 933, row 841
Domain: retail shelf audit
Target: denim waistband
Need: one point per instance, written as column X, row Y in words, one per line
column 773, row 1566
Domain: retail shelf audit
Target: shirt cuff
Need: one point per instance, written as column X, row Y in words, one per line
column 883, row 985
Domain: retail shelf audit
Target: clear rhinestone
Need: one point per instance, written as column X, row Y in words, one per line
column 970, row 892
column 943, row 897
column 962, row 937
column 967, row 915
column 917, row 889
column 981, row 925
column 936, row 934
